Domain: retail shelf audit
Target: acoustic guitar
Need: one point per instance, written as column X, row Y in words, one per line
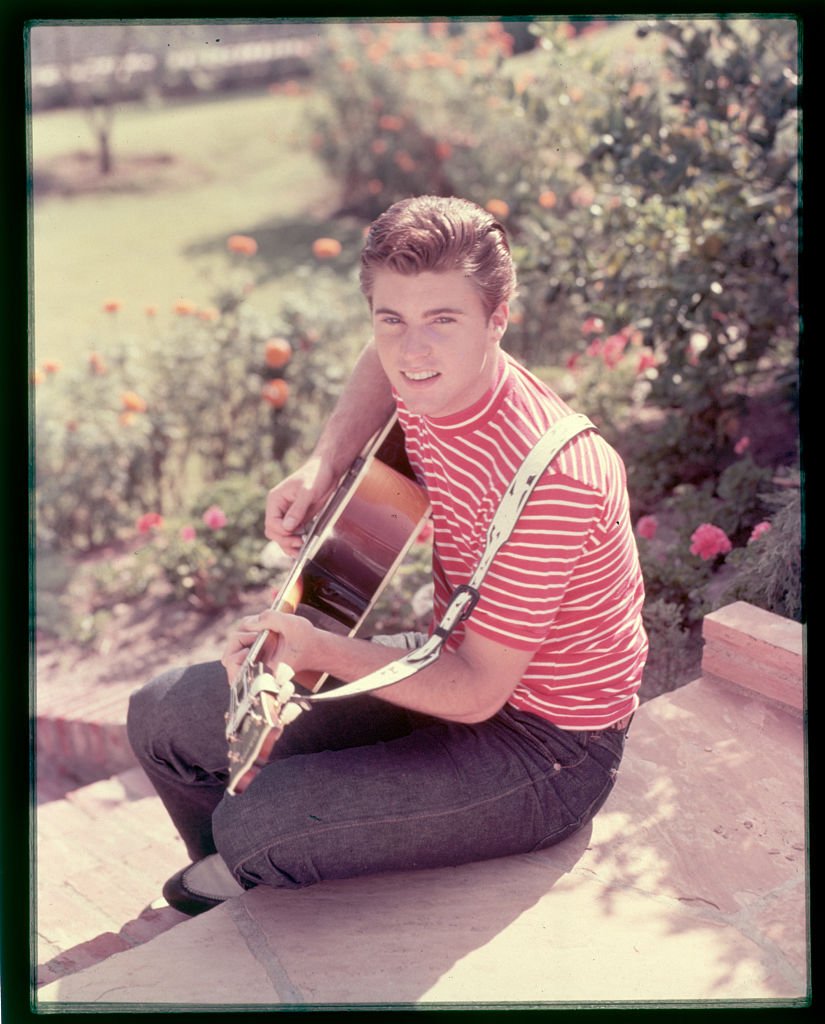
column 350, row 553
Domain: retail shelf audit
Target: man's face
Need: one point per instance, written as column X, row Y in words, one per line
column 436, row 343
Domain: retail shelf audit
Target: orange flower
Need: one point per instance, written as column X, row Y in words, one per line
column 548, row 199
column 277, row 353
column 132, row 402
column 377, row 51
column 584, row 195
column 242, row 244
column 390, row 123
column 524, row 81
column 151, row 311
column 405, row 162
column 51, row 365
column 184, row 307
column 126, row 419
column 97, row 364
column 498, row 208
column 209, row 314
column 433, row 59
column 326, row 248
column 276, row 393
column 111, row 306
column 37, row 377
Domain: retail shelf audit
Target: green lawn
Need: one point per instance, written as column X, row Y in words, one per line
column 237, row 165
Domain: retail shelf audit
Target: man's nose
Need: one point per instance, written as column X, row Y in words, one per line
column 417, row 341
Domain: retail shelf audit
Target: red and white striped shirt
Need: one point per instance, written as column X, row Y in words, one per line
column 567, row 584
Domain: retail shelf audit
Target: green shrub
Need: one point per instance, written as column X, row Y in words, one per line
column 142, row 426
column 211, row 556
column 398, row 117
column 674, row 656
column 768, row 570
column 676, row 578
column 668, row 207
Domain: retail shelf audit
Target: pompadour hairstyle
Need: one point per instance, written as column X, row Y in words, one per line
column 440, row 234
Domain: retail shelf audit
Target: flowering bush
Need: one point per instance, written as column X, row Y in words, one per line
column 210, row 557
column 205, row 392
column 398, row 110
column 662, row 196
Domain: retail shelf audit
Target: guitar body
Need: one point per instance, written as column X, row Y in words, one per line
column 351, row 552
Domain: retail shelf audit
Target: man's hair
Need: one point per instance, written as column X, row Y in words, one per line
column 439, row 234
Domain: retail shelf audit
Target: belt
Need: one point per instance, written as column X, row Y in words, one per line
column 622, row 725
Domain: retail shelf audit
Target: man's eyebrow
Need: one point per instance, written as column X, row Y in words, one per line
column 427, row 312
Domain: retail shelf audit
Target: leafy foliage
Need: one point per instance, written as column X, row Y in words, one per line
column 679, row 215
column 769, row 569
column 396, row 105
column 652, row 207
column 183, row 405
column 211, row 558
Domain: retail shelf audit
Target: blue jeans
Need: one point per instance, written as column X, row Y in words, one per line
column 359, row 786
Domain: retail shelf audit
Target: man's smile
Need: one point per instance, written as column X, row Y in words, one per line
column 419, row 375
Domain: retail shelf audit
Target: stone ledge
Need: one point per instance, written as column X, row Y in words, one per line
column 689, row 886
column 83, row 748
column 147, row 926
column 756, row 650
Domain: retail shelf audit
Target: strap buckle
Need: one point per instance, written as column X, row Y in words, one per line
column 452, row 617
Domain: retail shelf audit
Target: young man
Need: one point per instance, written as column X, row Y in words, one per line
column 511, row 740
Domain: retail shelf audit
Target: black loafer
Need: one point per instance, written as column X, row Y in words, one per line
column 183, row 892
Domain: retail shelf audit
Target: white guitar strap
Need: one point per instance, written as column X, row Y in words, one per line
column 466, row 596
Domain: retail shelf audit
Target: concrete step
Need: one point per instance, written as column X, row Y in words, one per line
column 102, row 855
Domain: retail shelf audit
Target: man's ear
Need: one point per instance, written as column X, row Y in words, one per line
column 499, row 319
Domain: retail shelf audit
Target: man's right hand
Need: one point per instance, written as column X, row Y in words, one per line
column 294, row 501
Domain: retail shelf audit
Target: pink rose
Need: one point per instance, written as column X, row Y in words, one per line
column 613, row 350
column 708, row 541
column 593, row 325
column 647, row 527
column 425, row 534
column 187, row 533
column 647, row 360
column 149, row 521
column 214, row 517
column 759, row 531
